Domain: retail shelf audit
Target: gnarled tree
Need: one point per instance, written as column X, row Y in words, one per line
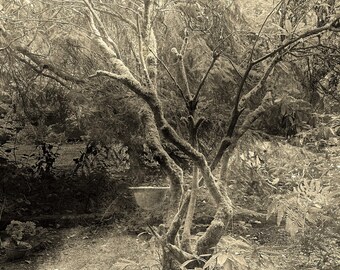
column 125, row 41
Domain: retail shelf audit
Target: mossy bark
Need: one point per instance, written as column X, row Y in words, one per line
column 173, row 171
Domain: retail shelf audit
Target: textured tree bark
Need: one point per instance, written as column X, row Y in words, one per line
column 173, row 171
column 185, row 243
column 283, row 13
column 186, row 235
column 224, row 164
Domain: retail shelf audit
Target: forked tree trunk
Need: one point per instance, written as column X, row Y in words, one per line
column 158, row 124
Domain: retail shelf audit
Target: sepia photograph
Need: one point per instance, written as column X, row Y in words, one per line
column 169, row 135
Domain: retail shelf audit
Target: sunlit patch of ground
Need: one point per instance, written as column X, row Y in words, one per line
column 100, row 248
column 84, row 248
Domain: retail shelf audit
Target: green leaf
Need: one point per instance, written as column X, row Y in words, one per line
column 271, row 209
column 291, row 227
column 241, row 244
column 222, row 258
column 280, row 214
column 275, row 181
column 289, row 26
column 211, row 262
column 183, row 265
column 239, row 260
column 228, row 265
column 284, row 109
column 312, row 218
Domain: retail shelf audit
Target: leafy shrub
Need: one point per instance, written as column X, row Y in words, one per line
column 36, row 186
column 45, row 159
column 307, row 203
column 112, row 159
column 288, row 117
column 231, row 253
column 20, row 233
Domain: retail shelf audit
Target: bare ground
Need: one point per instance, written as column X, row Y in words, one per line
column 82, row 248
column 102, row 248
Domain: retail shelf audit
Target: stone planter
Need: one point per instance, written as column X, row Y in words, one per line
column 15, row 253
column 149, row 198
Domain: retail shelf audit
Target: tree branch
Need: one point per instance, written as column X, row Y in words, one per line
column 180, row 255
column 174, row 172
column 141, row 55
column 119, row 16
column 101, row 27
column 214, row 59
column 247, row 97
column 181, row 67
column 236, row 113
column 177, row 220
column 41, row 71
column 146, row 23
column 259, row 32
column 169, row 73
column 98, row 37
column 48, row 65
column 306, row 34
column 266, row 103
column 109, row 74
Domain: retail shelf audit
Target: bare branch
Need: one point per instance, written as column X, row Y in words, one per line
column 180, row 255
column 182, row 67
column 108, row 74
column 228, row 140
column 225, row 143
column 334, row 29
column 215, row 57
column 177, row 220
column 10, row 42
column 119, row 16
column 261, row 28
column 169, row 73
column 141, row 55
column 99, row 39
column 102, row 27
column 266, row 103
column 233, row 65
column 146, row 23
column 174, row 172
column 41, row 71
column 236, row 113
column 260, row 84
column 48, row 65
column 308, row 33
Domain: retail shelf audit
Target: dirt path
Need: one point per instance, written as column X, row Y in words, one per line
column 83, row 248
column 91, row 248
